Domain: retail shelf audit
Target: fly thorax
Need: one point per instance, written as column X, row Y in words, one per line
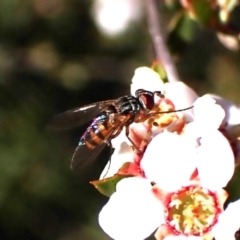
column 110, row 109
column 127, row 104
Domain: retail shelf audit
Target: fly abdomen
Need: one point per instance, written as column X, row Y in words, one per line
column 97, row 134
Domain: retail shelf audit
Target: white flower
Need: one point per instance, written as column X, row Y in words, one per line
column 169, row 161
column 185, row 169
column 180, row 94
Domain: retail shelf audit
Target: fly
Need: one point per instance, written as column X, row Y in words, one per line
column 108, row 119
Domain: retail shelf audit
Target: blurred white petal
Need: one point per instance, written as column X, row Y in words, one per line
column 139, row 129
column 207, row 116
column 207, row 113
column 117, row 141
column 232, row 111
column 229, row 41
column 120, row 155
column 114, row 17
column 215, row 160
column 169, row 161
column 147, row 79
column 228, row 222
column 132, row 212
column 182, row 96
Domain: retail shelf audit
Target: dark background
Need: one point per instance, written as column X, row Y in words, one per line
column 54, row 58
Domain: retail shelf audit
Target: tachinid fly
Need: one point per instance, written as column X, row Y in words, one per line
column 108, row 119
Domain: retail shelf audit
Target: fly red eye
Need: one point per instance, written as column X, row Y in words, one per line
column 147, row 100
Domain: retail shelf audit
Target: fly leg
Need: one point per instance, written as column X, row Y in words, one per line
column 115, row 134
column 135, row 147
column 146, row 117
column 109, row 164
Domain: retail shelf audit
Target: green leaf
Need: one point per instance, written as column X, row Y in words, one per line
column 182, row 30
column 159, row 69
column 107, row 186
column 204, row 14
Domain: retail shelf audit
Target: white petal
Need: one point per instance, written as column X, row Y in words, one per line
column 215, row 160
column 132, row 212
column 142, row 131
column 182, row 96
column 120, row 155
column 139, row 129
column 232, row 111
column 207, row 114
column 169, row 161
column 117, row 141
column 228, row 222
column 147, row 79
column 192, row 131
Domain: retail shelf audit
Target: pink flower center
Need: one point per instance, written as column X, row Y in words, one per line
column 192, row 211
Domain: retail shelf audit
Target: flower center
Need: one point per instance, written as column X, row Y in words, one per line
column 192, row 211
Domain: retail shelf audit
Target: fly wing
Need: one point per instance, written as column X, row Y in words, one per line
column 84, row 155
column 78, row 116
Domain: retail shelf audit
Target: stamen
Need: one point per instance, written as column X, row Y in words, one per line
column 192, row 211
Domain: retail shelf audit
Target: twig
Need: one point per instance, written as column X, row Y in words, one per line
column 162, row 54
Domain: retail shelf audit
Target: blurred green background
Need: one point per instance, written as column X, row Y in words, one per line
column 54, row 57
